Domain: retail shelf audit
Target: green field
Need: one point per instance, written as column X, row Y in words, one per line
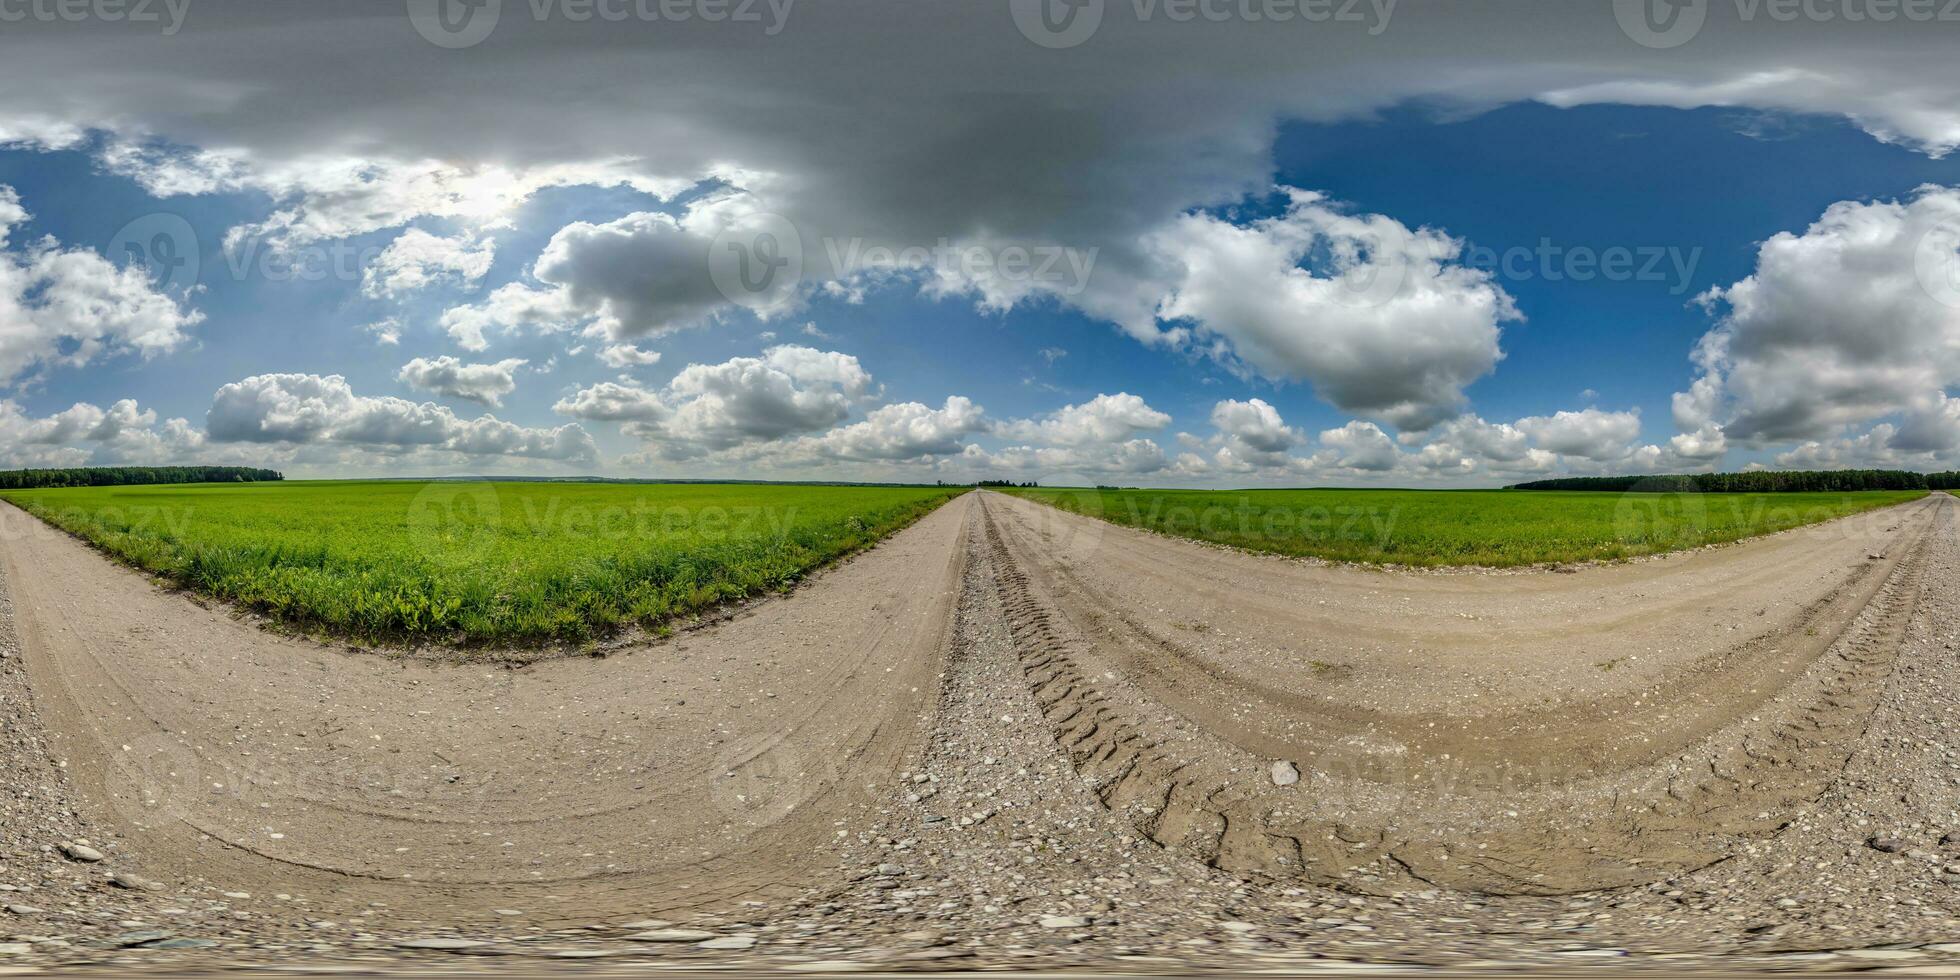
column 476, row 561
column 1461, row 527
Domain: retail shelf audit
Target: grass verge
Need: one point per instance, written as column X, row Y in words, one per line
column 1492, row 528
column 480, row 562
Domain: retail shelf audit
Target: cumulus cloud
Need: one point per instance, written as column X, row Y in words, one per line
column 1132, row 457
column 417, row 260
column 624, row 356
column 85, row 434
column 386, row 331
column 790, row 390
column 512, row 307
column 308, row 409
column 1358, row 445
column 71, row 306
column 1102, row 420
column 1255, row 424
column 1855, row 319
column 1135, row 164
column 906, row 431
column 643, row 274
column 611, row 402
column 1249, row 436
column 1588, row 433
column 1376, row 315
column 445, row 375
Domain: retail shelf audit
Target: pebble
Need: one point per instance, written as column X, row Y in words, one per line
column 1889, row 845
column 81, row 852
column 123, row 879
column 728, row 942
column 1064, row 921
column 1285, row 773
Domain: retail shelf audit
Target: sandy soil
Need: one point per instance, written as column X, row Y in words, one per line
column 1010, row 736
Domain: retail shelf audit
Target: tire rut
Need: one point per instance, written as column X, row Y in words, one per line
column 1199, row 794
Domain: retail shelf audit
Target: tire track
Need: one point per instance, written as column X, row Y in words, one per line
column 1141, row 737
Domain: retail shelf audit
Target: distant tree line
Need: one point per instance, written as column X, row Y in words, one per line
column 124, row 476
column 1005, row 483
column 1756, row 481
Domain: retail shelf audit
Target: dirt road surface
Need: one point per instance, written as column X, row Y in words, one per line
column 1010, row 736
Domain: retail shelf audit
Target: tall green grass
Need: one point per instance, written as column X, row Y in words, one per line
column 480, row 562
column 1496, row 528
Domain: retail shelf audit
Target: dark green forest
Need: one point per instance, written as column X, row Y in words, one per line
column 125, row 476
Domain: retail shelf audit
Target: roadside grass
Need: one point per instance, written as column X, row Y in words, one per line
column 1491, row 528
column 480, row 562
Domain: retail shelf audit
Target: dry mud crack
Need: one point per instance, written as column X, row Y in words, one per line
column 1014, row 734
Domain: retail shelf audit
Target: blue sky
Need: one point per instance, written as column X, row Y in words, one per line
column 1402, row 287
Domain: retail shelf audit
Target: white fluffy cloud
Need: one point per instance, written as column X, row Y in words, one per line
column 417, row 260
column 611, row 402
column 445, row 375
column 86, row 434
column 1588, row 433
column 644, row 274
column 1101, row 421
column 70, row 306
column 1854, row 320
column 790, row 390
column 309, row 408
column 512, row 307
column 1374, row 314
column 624, row 356
column 1359, row 445
column 906, row 431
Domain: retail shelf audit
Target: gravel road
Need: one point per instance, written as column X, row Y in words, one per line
column 1013, row 737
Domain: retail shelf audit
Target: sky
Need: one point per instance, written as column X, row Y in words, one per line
column 1207, row 243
